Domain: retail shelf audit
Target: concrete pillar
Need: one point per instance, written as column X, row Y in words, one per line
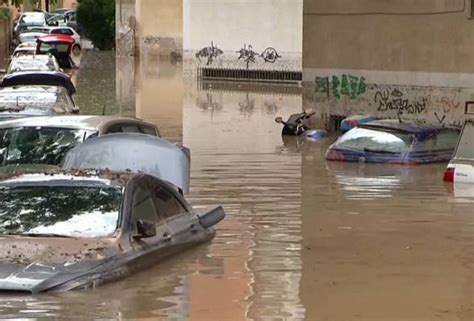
column 159, row 38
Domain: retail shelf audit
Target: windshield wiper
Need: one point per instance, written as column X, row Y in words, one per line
column 39, row 235
column 380, row 151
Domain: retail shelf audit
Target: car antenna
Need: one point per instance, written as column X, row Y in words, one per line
column 399, row 118
column 105, row 105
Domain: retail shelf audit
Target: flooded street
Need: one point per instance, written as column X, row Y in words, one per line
column 303, row 238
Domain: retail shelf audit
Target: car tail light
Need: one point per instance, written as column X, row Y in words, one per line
column 449, row 174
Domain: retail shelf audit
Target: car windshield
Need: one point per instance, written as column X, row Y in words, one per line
column 30, row 37
column 38, row 145
column 465, row 148
column 32, row 100
column 52, row 48
column 33, row 64
column 33, row 19
column 72, row 211
column 376, row 140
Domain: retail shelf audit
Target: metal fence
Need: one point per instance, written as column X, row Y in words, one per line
column 252, row 75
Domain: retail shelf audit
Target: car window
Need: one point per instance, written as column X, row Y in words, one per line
column 62, row 31
column 122, row 128
column 466, row 142
column 64, row 103
column 143, row 207
column 166, row 204
column 375, row 140
column 38, row 145
column 149, row 130
column 442, row 141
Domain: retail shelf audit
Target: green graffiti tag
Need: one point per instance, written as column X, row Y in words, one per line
column 344, row 85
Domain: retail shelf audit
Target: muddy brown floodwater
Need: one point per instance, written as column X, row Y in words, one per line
column 303, row 239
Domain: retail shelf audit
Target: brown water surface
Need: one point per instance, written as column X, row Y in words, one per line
column 303, row 238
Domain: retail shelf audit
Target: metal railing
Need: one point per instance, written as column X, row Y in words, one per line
column 252, row 75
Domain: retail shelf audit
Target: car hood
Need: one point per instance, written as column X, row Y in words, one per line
column 39, row 264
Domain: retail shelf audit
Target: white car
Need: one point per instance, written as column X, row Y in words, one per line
column 76, row 48
column 461, row 167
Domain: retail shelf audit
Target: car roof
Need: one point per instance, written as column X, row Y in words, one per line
column 92, row 122
column 68, row 177
column 407, row 127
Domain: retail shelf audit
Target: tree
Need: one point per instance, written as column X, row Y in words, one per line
column 97, row 18
column 18, row 3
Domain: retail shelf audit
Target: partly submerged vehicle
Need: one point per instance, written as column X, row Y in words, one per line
column 46, row 140
column 393, row 142
column 36, row 100
column 77, row 228
column 296, row 125
column 461, row 167
column 58, row 45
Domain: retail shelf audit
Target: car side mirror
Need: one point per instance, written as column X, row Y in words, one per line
column 212, row 217
column 145, row 229
column 279, row 120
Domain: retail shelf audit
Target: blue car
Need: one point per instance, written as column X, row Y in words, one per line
column 389, row 141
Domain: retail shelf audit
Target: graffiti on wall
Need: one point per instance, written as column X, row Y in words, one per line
column 344, row 85
column 247, row 54
column 211, row 53
column 349, row 95
column 394, row 100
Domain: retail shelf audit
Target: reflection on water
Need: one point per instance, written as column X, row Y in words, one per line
column 304, row 238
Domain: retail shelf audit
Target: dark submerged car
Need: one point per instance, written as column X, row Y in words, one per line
column 394, row 142
column 77, row 228
column 24, row 101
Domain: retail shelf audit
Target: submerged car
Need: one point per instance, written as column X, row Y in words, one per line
column 23, row 101
column 461, row 167
column 33, row 63
column 79, row 227
column 393, row 142
column 46, row 140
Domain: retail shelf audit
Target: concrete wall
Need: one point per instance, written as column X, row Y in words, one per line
column 231, row 25
column 159, row 81
column 411, row 56
column 160, row 27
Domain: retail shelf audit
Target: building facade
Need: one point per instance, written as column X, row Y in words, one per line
column 407, row 58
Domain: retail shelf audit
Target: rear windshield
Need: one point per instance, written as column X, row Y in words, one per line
column 33, row 19
column 38, row 145
column 375, row 140
column 466, row 142
column 77, row 211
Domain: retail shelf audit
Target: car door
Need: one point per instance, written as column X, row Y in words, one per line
column 176, row 212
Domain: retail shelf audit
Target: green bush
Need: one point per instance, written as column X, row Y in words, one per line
column 4, row 13
column 97, row 18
